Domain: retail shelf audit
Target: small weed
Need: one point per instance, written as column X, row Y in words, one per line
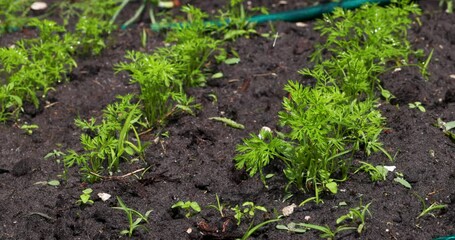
column 53, row 183
column 252, row 229
column 29, row 128
column 431, row 208
column 400, row 179
column 189, row 207
column 377, row 173
column 326, row 231
column 85, row 197
column 446, row 128
column 417, row 105
column 219, row 206
column 293, row 227
column 130, row 214
column 248, row 209
column 356, row 214
column 427, row 210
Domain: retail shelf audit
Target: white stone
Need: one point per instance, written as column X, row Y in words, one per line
column 288, row 210
column 390, row 168
column 301, row 24
column 104, row 196
column 37, row 6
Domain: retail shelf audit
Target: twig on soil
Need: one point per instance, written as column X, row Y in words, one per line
column 265, row 74
column 117, row 177
column 50, row 105
column 43, row 215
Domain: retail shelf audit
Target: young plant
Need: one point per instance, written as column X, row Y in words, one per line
column 33, row 66
column 90, row 33
column 362, row 42
column 417, row 105
column 326, row 231
column 84, row 198
column 377, row 173
column 130, row 214
column 446, row 128
column 399, row 178
column 326, row 125
column 189, row 207
column 293, row 227
column 161, row 87
column 28, row 128
column 427, row 210
column 356, row 215
column 107, row 143
column 235, row 21
column 338, row 116
column 219, row 206
column 248, row 209
column 252, row 229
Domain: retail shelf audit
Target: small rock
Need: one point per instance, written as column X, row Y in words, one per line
column 38, row 6
column 301, row 24
column 288, row 210
column 104, row 196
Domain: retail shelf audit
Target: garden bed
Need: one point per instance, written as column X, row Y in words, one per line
column 192, row 158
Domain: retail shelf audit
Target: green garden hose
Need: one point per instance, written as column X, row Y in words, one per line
column 293, row 15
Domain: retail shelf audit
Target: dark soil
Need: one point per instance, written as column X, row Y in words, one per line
column 196, row 161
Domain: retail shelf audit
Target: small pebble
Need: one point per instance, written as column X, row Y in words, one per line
column 301, row 24
column 288, row 210
column 38, row 6
column 104, row 196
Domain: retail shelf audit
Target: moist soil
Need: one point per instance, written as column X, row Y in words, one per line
column 196, row 161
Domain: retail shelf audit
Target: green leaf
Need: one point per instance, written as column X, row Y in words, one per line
column 231, row 61
column 87, row 191
column 449, row 125
column 403, row 182
column 178, row 204
column 195, row 206
column 217, row 75
column 53, row 183
column 332, row 186
column 84, row 198
column 129, row 150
